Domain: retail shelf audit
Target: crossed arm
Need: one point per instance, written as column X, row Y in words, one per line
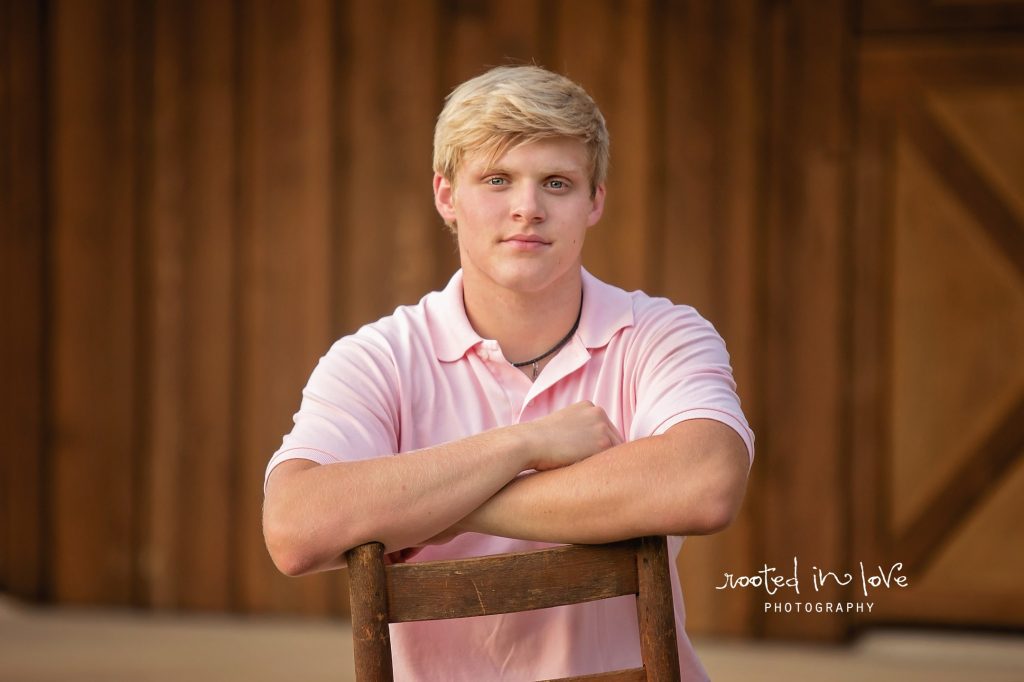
column 589, row 487
column 688, row 481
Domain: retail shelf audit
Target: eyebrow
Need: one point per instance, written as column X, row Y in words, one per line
column 548, row 173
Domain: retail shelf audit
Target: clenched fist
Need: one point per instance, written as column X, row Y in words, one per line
column 568, row 436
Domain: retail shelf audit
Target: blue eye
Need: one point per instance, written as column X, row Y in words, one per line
column 557, row 184
column 496, row 181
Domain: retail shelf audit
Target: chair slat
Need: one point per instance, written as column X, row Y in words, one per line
column 371, row 639
column 510, row 582
column 631, row 675
column 655, row 614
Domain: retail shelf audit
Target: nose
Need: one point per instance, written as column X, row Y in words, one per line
column 527, row 205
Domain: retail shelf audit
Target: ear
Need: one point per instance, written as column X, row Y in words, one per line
column 444, row 198
column 597, row 206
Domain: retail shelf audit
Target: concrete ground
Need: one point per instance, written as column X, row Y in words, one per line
column 46, row 645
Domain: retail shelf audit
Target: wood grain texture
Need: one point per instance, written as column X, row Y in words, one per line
column 207, row 509
column 949, row 233
column 634, row 675
column 655, row 615
column 284, row 264
column 97, row 178
column 928, row 15
column 504, row 583
column 801, row 488
column 371, row 639
column 619, row 81
column 163, row 334
column 188, row 500
column 389, row 233
column 482, row 35
column 23, row 494
column 707, row 252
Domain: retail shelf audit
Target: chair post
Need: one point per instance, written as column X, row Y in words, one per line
column 658, row 647
column 369, row 603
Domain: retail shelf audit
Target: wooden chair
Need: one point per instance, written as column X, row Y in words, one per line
column 506, row 583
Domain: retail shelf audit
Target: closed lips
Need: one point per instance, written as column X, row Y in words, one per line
column 532, row 238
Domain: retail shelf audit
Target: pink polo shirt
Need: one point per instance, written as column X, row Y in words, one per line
column 423, row 376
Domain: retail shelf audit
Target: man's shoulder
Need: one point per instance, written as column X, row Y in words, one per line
column 396, row 326
column 660, row 323
column 638, row 300
column 403, row 335
column 656, row 311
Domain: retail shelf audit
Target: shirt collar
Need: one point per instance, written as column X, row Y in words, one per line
column 448, row 323
column 606, row 310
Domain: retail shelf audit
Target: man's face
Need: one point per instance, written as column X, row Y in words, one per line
column 521, row 220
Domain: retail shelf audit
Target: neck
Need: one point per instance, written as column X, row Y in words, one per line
column 525, row 324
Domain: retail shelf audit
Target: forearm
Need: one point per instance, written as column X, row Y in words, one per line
column 687, row 482
column 313, row 514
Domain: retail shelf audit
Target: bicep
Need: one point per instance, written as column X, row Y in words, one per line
column 283, row 472
column 711, row 442
column 711, row 457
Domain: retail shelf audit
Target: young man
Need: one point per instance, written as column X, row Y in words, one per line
column 527, row 403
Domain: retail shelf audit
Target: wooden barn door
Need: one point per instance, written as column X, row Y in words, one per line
column 938, row 326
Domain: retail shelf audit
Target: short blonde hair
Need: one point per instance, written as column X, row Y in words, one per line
column 509, row 106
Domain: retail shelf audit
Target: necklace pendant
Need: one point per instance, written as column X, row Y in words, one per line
column 536, row 369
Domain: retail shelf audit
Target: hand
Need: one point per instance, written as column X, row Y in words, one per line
column 569, row 435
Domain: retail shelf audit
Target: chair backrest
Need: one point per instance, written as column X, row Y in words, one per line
column 505, row 583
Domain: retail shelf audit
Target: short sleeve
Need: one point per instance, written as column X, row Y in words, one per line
column 348, row 410
column 682, row 373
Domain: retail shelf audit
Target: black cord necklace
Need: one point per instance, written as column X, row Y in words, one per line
column 565, row 339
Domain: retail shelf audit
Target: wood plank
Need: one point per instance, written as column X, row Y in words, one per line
column 895, row 85
column 371, row 638
column 872, row 249
column 692, row 157
column 506, row 583
column 96, row 181
column 482, row 35
column 956, row 168
column 390, row 236
column 928, row 15
column 975, row 578
column 164, row 334
column 206, row 566
column 285, row 250
column 655, row 613
column 6, row 236
column 632, row 675
column 619, row 80
column 23, row 540
column 187, row 487
column 803, row 373
column 705, row 253
column 974, row 479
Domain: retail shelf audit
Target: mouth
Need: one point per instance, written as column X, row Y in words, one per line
column 526, row 240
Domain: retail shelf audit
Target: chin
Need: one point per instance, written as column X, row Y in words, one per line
column 525, row 278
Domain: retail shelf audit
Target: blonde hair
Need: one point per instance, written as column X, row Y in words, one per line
column 510, row 106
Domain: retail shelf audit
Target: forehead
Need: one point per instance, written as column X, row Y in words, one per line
column 558, row 154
